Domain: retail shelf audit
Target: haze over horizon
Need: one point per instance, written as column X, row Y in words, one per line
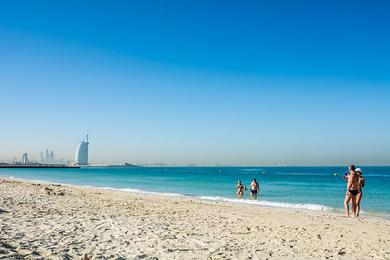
column 243, row 83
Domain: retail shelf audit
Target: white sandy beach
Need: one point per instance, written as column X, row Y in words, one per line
column 44, row 221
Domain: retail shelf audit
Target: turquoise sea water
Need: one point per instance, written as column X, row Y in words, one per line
column 312, row 188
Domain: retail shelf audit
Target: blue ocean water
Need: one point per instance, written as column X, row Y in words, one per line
column 315, row 188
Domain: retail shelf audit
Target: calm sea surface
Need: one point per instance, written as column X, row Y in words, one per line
column 313, row 188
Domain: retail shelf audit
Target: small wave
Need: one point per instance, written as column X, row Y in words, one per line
column 250, row 170
column 138, row 191
column 306, row 206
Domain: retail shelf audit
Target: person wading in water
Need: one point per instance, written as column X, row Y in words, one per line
column 240, row 189
column 254, row 188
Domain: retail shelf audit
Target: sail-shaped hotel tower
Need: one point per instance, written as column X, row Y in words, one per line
column 81, row 157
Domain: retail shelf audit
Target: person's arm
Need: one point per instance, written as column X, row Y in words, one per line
column 350, row 179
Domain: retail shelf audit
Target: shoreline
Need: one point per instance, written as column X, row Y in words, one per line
column 38, row 166
column 200, row 199
column 49, row 221
column 296, row 207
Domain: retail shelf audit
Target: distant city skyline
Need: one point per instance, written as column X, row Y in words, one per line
column 205, row 83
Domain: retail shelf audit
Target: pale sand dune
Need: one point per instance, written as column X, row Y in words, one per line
column 40, row 221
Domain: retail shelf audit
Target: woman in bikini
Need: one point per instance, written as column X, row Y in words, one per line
column 240, row 189
column 360, row 194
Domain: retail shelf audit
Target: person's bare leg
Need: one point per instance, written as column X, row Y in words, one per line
column 353, row 206
column 358, row 200
column 346, row 206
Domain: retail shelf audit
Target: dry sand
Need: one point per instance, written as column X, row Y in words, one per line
column 44, row 221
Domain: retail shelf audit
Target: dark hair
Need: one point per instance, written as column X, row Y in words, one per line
column 254, row 179
column 352, row 167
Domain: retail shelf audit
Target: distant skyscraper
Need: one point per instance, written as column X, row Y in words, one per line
column 52, row 157
column 25, row 159
column 81, row 157
column 47, row 158
column 42, row 159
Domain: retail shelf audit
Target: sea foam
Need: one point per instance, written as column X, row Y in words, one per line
column 305, row 206
column 264, row 203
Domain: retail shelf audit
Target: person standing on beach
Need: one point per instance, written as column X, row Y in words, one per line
column 254, row 188
column 352, row 191
column 360, row 194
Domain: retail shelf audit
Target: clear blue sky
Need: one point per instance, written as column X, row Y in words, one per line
column 205, row 82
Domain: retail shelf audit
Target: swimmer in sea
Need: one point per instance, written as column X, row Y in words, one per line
column 352, row 191
column 254, row 188
column 240, row 189
column 345, row 177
